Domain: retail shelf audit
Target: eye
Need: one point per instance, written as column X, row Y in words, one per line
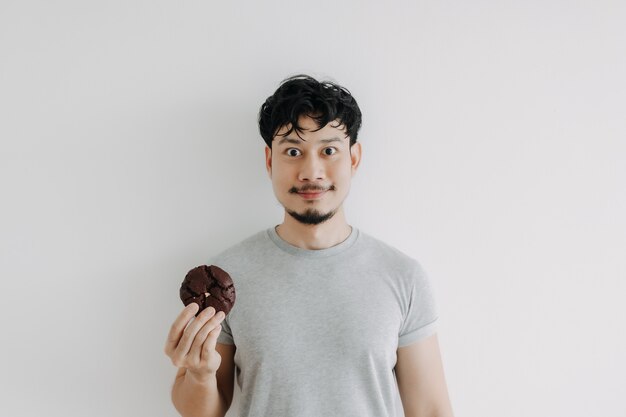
column 293, row 152
column 331, row 149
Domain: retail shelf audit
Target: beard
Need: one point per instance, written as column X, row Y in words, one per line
column 311, row 216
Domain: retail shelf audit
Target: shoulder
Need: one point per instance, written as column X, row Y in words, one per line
column 405, row 271
column 253, row 243
column 255, row 246
column 391, row 257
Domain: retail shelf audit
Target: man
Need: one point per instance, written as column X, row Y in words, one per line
column 329, row 321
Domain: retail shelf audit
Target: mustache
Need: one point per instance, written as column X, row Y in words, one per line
column 311, row 188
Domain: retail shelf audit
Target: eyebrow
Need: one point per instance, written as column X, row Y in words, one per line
column 299, row 141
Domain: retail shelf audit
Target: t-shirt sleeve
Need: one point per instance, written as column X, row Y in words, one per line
column 422, row 315
column 225, row 336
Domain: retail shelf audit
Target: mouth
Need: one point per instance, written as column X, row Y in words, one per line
column 312, row 195
column 312, row 192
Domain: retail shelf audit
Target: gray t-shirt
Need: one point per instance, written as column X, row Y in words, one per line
column 316, row 331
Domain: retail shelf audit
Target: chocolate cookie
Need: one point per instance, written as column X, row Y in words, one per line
column 208, row 286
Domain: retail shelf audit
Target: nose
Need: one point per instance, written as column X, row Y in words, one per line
column 312, row 168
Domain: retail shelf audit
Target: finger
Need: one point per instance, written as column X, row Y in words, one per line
column 177, row 328
column 189, row 334
column 209, row 344
column 200, row 339
column 211, row 341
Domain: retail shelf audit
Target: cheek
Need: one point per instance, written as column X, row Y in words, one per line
column 343, row 172
column 281, row 174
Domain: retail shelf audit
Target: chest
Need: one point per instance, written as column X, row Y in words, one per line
column 337, row 316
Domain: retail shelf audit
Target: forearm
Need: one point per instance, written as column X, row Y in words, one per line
column 196, row 398
column 443, row 412
column 436, row 405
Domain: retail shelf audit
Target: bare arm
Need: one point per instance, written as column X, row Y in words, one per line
column 421, row 380
column 204, row 382
column 197, row 397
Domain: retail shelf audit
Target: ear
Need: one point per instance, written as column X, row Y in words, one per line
column 355, row 156
column 268, row 160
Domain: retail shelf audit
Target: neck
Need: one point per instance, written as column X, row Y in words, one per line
column 315, row 237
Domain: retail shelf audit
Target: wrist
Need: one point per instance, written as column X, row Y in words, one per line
column 200, row 377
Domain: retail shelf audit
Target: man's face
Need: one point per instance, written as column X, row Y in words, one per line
column 311, row 177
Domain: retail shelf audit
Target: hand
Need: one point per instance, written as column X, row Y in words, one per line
column 193, row 347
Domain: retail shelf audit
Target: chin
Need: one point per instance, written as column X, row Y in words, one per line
column 311, row 216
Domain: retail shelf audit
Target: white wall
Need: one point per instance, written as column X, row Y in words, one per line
column 494, row 147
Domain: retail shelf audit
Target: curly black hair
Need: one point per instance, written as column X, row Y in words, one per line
column 302, row 95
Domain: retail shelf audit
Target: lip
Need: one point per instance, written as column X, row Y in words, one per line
column 312, row 196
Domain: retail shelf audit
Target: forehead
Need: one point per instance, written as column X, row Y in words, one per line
column 332, row 132
column 285, row 140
